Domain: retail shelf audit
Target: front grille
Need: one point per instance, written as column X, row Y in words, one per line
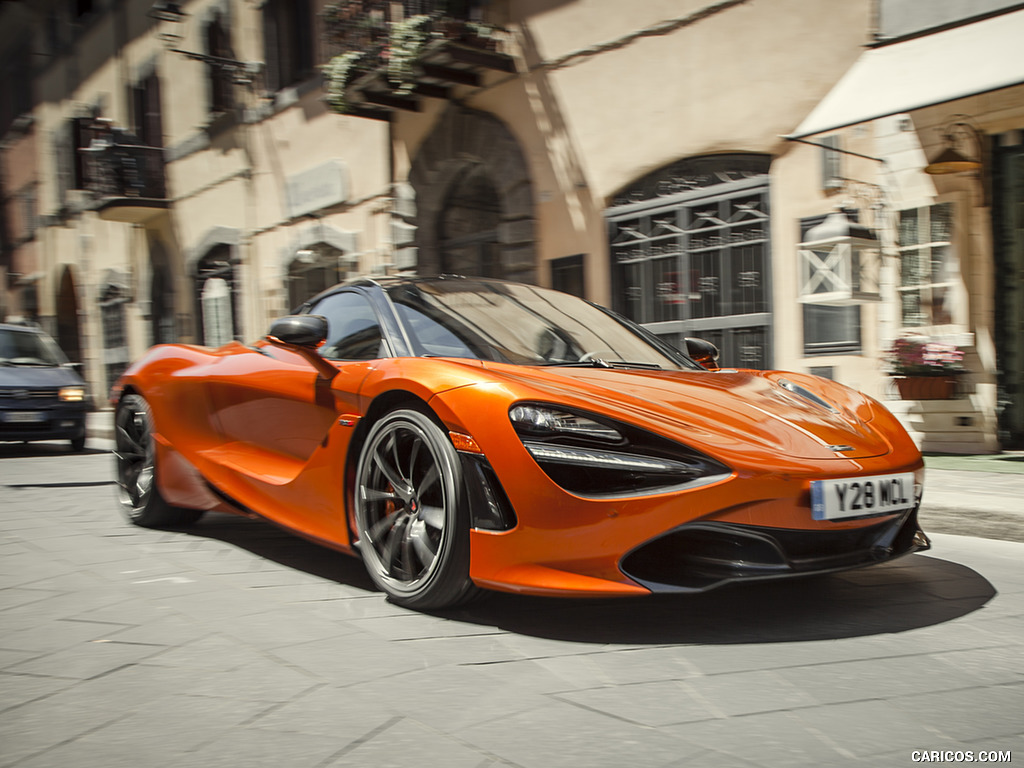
column 17, row 395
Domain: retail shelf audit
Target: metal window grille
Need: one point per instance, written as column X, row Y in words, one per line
column 694, row 258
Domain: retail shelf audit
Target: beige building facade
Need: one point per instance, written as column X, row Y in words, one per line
column 669, row 159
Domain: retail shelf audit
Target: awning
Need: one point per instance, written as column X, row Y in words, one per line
column 964, row 61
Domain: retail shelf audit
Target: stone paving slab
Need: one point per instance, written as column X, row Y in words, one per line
column 236, row 644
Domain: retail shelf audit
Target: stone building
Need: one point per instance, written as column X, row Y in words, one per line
column 749, row 171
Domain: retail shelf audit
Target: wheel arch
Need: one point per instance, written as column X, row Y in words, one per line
column 383, row 403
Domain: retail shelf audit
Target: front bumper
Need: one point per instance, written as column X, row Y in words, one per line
column 703, row 555
column 48, row 424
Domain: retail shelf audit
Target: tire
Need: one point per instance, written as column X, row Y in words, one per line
column 411, row 515
column 135, row 465
column 78, row 444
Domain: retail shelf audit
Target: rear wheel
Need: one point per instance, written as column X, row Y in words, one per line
column 135, row 463
column 411, row 515
column 78, row 443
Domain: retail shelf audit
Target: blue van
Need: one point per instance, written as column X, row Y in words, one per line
column 42, row 397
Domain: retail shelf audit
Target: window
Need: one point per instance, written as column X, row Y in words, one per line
column 831, row 330
column 930, row 282
column 314, row 269
column 353, row 332
column 287, row 42
column 831, row 168
column 146, row 113
column 567, row 275
column 691, row 255
column 218, row 43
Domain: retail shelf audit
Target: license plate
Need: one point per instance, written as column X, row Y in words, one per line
column 24, row 417
column 861, row 496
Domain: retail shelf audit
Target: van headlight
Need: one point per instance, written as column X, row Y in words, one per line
column 72, row 394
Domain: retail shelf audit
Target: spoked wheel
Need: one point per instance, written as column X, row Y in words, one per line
column 135, row 463
column 410, row 512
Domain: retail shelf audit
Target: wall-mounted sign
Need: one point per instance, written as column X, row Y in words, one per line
column 317, row 188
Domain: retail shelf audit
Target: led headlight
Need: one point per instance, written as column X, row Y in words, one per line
column 544, row 421
column 599, row 457
column 72, row 394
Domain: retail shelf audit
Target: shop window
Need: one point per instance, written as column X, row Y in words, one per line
column 930, row 283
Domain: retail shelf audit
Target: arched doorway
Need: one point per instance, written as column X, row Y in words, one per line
column 468, row 230
column 473, row 211
column 68, row 330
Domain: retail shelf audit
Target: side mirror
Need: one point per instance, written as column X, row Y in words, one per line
column 308, row 331
column 703, row 353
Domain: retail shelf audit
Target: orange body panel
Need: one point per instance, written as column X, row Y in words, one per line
column 257, row 430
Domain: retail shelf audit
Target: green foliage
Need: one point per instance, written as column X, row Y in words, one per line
column 406, row 42
column 339, row 72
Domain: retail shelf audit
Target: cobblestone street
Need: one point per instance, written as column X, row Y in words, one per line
column 238, row 644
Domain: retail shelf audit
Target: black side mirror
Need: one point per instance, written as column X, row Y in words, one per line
column 703, row 353
column 308, row 331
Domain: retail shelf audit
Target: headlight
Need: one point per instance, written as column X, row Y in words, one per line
column 72, row 394
column 544, row 421
column 594, row 456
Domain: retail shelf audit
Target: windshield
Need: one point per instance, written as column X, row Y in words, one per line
column 521, row 324
column 28, row 348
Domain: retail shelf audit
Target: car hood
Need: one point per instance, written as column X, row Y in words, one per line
column 728, row 410
column 30, row 376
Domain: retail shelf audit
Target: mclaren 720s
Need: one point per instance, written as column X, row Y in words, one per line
column 461, row 434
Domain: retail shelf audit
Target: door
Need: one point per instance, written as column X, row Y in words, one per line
column 284, row 451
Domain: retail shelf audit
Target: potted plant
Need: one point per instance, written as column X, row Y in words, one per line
column 925, row 369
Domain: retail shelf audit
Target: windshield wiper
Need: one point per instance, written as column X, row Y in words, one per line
column 597, row 362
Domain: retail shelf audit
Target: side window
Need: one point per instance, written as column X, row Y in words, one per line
column 353, row 332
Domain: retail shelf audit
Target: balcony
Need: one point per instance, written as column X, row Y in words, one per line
column 125, row 178
column 386, row 56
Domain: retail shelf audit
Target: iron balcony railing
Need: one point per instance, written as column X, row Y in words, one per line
column 116, row 165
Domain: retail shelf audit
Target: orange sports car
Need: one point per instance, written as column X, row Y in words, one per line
column 460, row 434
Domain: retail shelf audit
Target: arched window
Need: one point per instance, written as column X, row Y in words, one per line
column 468, row 227
column 691, row 254
column 313, row 270
column 216, row 297
column 216, row 301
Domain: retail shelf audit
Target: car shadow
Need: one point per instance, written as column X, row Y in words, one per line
column 42, row 448
column 911, row 593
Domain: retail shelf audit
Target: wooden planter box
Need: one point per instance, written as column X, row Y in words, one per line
column 926, row 387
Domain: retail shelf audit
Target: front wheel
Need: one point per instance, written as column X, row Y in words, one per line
column 411, row 515
column 135, row 464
